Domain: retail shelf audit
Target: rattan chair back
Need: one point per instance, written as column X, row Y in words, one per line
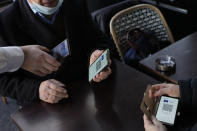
column 143, row 16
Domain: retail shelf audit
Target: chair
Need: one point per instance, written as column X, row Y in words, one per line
column 4, row 4
column 103, row 16
column 143, row 16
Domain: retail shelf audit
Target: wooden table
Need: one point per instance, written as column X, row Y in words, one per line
column 185, row 53
column 112, row 105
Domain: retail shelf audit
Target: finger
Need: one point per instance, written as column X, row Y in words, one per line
column 49, row 66
column 163, row 91
column 106, row 73
column 159, row 86
column 96, row 79
column 98, row 76
column 51, row 101
column 45, row 71
column 110, row 62
column 50, row 60
column 45, row 95
column 57, row 82
column 154, row 120
column 52, row 96
column 102, row 75
column 93, row 59
column 95, row 55
column 54, row 99
column 146, row 120
column 57, row 88
column 152, row 92
column 109, row 71
column 58, row 94
column 43, row 48
column 155, row 88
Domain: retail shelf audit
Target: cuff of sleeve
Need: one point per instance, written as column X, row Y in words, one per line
column 32, row 94
column 185, row 93
column 15, row 58
column 36, row 94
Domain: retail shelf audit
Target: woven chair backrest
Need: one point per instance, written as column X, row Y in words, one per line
column 144, row 17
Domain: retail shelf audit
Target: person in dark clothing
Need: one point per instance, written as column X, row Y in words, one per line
column 186, row 90
column 48, row 23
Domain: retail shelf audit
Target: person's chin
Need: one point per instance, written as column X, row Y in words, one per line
column 51, row 3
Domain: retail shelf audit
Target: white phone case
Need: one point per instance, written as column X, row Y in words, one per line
column 99, row 65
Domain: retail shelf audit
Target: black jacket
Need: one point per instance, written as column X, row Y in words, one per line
column 188, row 92
column 19, row 26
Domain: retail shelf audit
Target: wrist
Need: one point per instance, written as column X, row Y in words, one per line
column 23, row 48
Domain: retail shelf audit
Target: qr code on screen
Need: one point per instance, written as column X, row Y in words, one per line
column 167, row 107
column 98, row 65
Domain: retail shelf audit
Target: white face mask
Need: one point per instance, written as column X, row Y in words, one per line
column 46, row 10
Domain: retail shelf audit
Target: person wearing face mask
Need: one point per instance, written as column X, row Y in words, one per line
column 48, row 23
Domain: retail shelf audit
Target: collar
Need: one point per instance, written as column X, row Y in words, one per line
column 43, row 18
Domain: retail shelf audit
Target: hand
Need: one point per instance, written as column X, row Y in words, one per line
column 164, row 89
column 153, row 125
column 52, row 91
column 103, row 74
column 38, row 61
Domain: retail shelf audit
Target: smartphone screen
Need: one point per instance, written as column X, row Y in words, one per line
column 100, row 63
column 61, row 51
column 167, row 109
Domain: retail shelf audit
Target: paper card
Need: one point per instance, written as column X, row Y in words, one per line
column 61, row 51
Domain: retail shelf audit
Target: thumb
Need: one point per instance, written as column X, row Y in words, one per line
column 43, row 48
column 155, row 121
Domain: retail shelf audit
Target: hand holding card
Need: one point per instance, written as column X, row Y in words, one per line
column 148, row 104
column 61, row 51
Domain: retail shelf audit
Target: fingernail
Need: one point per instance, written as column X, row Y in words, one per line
column 57, row 65
column 61, row 84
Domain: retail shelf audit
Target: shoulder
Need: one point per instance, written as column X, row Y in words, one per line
column 11, row 14
column 76, row 4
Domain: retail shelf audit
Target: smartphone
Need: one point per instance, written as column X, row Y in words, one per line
column 167, row 110
column 99, row 64
column 61, row 51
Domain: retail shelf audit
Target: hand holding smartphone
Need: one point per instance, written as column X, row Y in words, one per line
column 99, row 64
column 164, row 108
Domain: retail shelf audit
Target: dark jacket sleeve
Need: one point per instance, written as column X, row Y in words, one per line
column 19, row 86
column 188, row 92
